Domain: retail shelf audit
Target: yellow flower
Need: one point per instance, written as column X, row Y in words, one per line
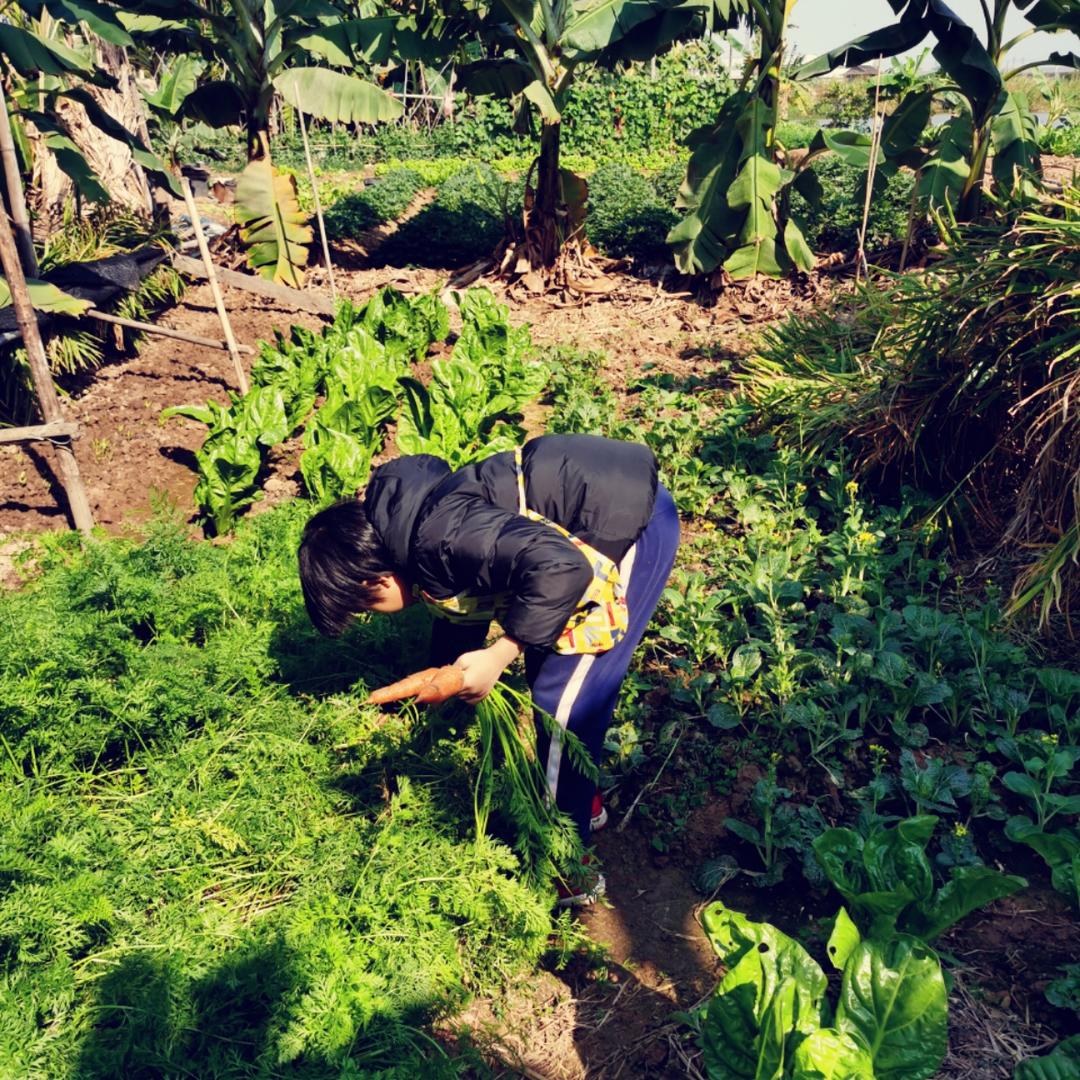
column 959, row 831
column 1048, row 740
column 851, row 487
column 800, row 490
column 866, row 539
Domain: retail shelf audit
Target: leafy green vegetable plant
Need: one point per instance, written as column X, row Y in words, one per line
column 466, row 410
column 1062, row 1063
column 1064, row 991
column 769, row 1018
column 1045, row 774
column 230, row 458
column 1060, row 850
column 888, row 880
column 355, row 363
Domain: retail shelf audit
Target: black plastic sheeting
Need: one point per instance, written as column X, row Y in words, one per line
column 99, row 282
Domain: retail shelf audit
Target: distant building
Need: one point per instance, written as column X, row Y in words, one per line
column 858, row 71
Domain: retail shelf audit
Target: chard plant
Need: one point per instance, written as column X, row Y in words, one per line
column 346, row 433
column 1062, row 1063
column 233, row 453
column 355, row 365
column 887, row 879
column 770, row 1017
column 467, row 410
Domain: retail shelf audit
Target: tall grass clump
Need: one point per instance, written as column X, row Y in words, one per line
column 961, row 378
column 214, row 860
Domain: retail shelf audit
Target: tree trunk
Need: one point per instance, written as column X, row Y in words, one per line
column 545, row 233
column 258, row 138
column 111, row 160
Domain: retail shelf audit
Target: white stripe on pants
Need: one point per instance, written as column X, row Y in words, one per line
column 573, row 688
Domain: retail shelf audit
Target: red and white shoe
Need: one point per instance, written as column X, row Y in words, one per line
column 599, row 814
column 588, row 886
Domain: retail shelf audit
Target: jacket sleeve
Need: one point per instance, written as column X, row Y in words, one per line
column 449, row 639
column 543, row 572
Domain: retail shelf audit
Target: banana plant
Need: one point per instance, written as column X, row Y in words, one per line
column 735, row 190
column 48, row 53
column 535, row 50
column 988, row 117
column 291, row 48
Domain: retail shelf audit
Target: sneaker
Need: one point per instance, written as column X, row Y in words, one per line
column 599, row 813
column 588, row 888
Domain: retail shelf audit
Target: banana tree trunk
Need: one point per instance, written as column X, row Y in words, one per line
column 544, row 217
column 111, row 161
column 258, row 139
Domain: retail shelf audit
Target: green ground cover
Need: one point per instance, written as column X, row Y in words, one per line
column 215, row 862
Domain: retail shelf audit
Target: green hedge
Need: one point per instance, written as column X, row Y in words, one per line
column 626, row 213
column 464, row 223
column 375, row 204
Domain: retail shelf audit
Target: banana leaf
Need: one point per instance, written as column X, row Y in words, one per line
column 272, row 223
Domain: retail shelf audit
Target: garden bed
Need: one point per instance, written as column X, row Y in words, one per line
column 597, row 1015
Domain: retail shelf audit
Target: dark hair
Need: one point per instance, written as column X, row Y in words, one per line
column 341, row 557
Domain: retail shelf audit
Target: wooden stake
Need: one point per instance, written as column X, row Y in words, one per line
column 48, row 400
column 24, row 240
column 164, row 331
column 317, row 303
column 219, row 301
column 315, row 193
column 58, row 429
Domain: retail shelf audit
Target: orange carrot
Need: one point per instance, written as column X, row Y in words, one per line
column 404, row 688
column 445, row 683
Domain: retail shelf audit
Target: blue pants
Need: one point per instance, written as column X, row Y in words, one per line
column 580, row 692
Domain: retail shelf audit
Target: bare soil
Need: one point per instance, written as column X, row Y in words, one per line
column 129, row 459
column 581, row 1020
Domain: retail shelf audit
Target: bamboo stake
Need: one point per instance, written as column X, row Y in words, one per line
column 219, row 301
column 48, row 400
column 875, row 144
column 24, row 240
column 315, row 193
column 164, row 331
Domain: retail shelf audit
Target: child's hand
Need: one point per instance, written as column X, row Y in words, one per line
column 483, row 667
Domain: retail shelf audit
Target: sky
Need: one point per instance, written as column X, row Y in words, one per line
column 820, row 25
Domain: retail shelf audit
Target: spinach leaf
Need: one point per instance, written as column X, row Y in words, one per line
column 772, row 991
column 828, row 1054
column 893, row 1000
column 888, row 881
column 1062, row 1064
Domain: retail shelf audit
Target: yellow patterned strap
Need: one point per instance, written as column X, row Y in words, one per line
column 465, row 607
column 601, row 619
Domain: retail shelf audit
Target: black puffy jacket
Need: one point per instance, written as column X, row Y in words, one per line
column 453, row 532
